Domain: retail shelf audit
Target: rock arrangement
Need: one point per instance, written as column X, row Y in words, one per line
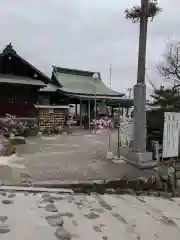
column 15, row 140
column 6, row 148
column 55, row 220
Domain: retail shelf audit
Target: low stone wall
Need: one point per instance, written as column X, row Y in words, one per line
column 157, row 185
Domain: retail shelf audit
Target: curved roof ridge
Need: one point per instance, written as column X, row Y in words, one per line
column 83, row 84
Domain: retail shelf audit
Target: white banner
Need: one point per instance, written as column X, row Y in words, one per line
column 171, row 135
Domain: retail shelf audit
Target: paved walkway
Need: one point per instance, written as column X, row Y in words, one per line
column 70, row 158
column 63, row 216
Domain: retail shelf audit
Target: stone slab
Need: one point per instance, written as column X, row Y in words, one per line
column 139, row 157
column 142, row 165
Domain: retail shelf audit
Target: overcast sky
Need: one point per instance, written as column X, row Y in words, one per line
column 86, row 34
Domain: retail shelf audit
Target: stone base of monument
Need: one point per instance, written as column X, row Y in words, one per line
column 17, row 140
column 6, row 148
column 141, row 160
column 109, row 156
column 119, row 160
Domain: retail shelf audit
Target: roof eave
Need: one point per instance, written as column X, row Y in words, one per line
column 90, row 95
column 73, row 71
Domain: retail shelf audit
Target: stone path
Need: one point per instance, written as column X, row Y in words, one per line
column 62, row 216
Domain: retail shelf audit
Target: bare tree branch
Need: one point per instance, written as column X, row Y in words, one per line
column 169, row 68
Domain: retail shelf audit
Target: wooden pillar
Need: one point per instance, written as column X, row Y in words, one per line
column 80, row 113
column 118, row 148
column 122, row 111
column 112, row 111
column 89, row 114
column 127, row 112
column 76, row 110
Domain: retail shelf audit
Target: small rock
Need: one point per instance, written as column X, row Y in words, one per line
column 7, row 201
column 141, row 199
column 153, row 194
column 45, row 195
column 58, row 198
column 110, row 190
column 3, row 218
column 109, row 156
column 92, row 215
column 2, row 193
column 12, row 195
column 42, row 204
column 74, row 222
column 4, row 229
column 129, row 191
column 143, row 179
column 17, row 140
column 139, row 193
column 25, row 175
column 51, row 208
column 97, row 210
column 168, row 221
column 64, row 133
column 26, row 194
column 7, row 150
column 119, row 217
column 105, row 238
column 47, row 198
column 67, row 214
column 97, row 229
column 103, row 203
column 62, row 234
column 166, row 195
column 55, row 220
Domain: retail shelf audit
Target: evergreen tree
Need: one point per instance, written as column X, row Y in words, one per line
column 166, row 98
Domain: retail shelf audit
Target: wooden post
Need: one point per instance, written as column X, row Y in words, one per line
column 89, row 114
column 118, row 150
column 112, row 111
column 95, row 111
column 80, row 113
column 76, row 109
column 127, row 112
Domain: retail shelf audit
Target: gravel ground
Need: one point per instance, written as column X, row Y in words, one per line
column 73, row 157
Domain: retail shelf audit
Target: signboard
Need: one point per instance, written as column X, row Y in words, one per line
column 171, row 135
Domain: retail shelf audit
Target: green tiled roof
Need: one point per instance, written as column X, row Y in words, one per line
column 83, row 84
column 110, row 100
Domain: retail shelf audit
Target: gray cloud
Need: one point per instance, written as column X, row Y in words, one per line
column 86, row 34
